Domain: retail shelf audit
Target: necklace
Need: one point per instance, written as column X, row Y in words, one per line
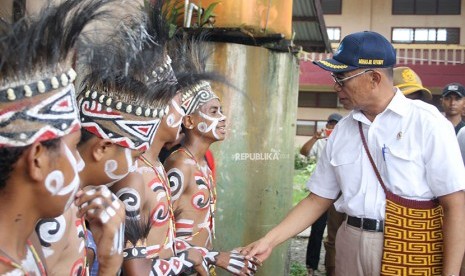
column 211, row 189
column 11, row 262
column 164, row 181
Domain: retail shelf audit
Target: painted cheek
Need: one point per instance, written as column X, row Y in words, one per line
column 80, row 163
column 132, row 164
column 112, row 165
column 170, row 120
column 77, row 167
column 55, row 181
column 177, row 111
column 204, row 128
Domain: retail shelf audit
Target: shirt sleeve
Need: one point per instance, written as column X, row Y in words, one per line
column 461, row 139
column 445, row 170
column 323, row 180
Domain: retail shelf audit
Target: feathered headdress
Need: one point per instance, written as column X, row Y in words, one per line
column 116, row 101
column 150, row 62
column 189, row 64
column 37, row 100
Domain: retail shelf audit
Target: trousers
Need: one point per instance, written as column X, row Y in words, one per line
column 358, row 252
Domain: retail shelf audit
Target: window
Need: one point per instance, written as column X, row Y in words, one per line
column 309, row 127
column 426, row 35
column 317, row 99
column 332, row 6
column 334, row 34
column 426, row 7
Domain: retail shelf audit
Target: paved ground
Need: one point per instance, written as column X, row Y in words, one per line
column 299, row 248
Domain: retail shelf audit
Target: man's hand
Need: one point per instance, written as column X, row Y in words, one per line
column 319, row 134
column 259, row 250
column 105, row 214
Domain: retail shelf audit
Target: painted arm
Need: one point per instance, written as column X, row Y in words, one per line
column 454, row 240
column 300, row 217
column 233, row 262
column 187, row 262
column 136, row 263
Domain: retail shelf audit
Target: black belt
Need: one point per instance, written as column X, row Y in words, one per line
column 366, row 224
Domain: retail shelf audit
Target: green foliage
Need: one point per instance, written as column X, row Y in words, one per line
column 174, row 14
column 300, row 161
column 299, row 189
column 304, row 168
column 203, row 18
column 298, row 269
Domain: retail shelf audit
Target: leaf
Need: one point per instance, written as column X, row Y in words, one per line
column 208, row 12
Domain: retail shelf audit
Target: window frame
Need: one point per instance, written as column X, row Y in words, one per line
column 415, row 11
column 337, row 12
column 334, row 28
column 413, row 41
column 317, row 124
column 318, row 100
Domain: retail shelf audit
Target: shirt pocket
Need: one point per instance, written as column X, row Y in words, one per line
column 403, row 168
column 348, row 169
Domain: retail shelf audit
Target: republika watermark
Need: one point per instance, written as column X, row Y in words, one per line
column 273, row 155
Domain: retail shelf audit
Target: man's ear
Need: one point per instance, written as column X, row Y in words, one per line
column 38, row 161
column 188, row 122
column 376, row 77
column 100, row 148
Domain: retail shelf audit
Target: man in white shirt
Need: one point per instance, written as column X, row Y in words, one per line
column 412, row 145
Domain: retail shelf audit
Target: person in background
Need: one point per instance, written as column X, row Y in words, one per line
column 410, row 84
column 453, row 103
column 313, row 149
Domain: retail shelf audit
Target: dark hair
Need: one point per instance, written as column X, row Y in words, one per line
column 85, row 136
column 9, row 157
column 44, row 44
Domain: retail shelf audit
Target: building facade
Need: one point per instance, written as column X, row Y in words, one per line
column 429, row 37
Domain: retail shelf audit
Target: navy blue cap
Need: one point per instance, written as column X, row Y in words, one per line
column 361, row 50
column 335, row 117
column 456, row 88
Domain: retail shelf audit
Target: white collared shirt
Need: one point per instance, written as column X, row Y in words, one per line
column 318, row 148
column 461, row 139
column 421, row 158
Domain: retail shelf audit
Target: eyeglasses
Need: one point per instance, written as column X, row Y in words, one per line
column 340, row 81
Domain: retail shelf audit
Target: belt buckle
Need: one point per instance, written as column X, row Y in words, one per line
column 377, row 225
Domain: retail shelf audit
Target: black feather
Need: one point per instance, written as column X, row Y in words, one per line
column 133, row 52
column 190, row 55
column 137, row 230
column 35, row 48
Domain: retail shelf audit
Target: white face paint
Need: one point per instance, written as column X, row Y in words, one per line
column 204, row 128
column 172, row 116
column 112, row 165
column 55, row 181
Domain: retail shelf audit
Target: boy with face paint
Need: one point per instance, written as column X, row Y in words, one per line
column 145, row 192
column 119, row 123
column 191, row 181
column 192, row 185
column 40, row 129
